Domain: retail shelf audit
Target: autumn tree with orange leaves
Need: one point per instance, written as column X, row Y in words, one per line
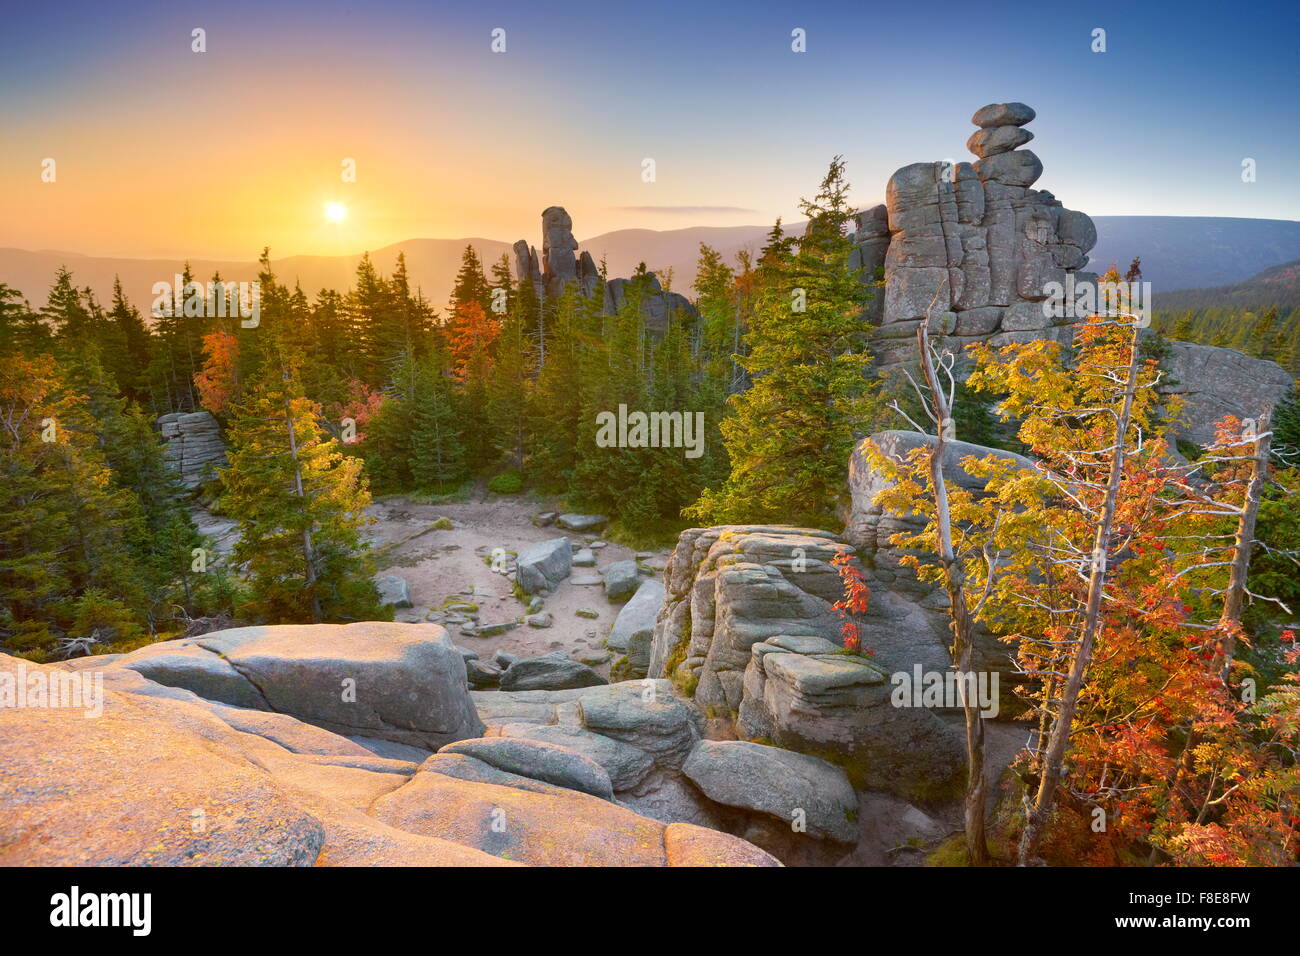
column 218, row 380
column 1123, row 577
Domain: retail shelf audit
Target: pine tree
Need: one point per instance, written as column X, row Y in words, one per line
column 21, row 329
column 437, row 459
column 471, row 286
column 300, row 506
column 69, row 534
column 127, row 357
column 554, row 413
column 509, row 390
column 791, row 433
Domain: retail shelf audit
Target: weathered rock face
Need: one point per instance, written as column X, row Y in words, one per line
column 400, row 682
column 974, row 240
column 194, row 446
column 1214, row 382
column 731, row 586
column 748, row 620
column 633, row 630
column 794, row 788
column 975, row 244
column 640, row 732
column 901, row 604
column 162, row 776
column 561, row 266
column 805, row 694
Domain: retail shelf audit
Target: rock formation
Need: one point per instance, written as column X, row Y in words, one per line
column 1212, row 382
column 194, row 447
column 748, row 623
column 975, row 244
column 974, row 240
column 561, row 265
column 409, row 679
column 171, row 773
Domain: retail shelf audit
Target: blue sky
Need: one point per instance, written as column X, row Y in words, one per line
column 460, row 141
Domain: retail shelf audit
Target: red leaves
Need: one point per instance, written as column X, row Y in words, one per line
column 855, row 600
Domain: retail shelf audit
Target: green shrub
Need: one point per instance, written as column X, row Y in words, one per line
column 506, row 483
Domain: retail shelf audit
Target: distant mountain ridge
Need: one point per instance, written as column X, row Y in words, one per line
column 1177, row 253
column 1279, row 285
column 1188, row 252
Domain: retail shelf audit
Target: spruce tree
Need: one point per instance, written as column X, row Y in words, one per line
column 300, row 505
column 790, row 435
column 437, row 459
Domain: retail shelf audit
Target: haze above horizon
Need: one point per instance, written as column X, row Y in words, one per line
column 161, row 151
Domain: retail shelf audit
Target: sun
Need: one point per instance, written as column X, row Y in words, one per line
column 336, row 211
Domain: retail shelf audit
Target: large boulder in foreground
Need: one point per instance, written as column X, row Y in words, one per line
column 400, row 682
column 533, row 822
column 155, row 775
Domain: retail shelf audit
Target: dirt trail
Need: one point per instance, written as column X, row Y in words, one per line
column 450, row 564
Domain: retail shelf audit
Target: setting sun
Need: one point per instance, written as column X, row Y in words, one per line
column 336, row 211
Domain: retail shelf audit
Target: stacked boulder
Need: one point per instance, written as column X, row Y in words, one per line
column 561, row 265
column 973, row 242
column 194, row 446
column 978, row 248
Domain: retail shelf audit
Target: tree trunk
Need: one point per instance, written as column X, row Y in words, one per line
column 962, row 625
column 1235, row 599
column 309, row 552
column 1058, row 740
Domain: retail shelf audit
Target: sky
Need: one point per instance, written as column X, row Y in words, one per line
column 162, row 151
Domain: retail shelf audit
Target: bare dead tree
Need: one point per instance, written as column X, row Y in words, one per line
column 936, row 396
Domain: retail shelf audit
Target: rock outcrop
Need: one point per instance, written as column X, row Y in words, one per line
column 976, row 246
column 561, row 265
column 904, row 605
column 1212, row 382
column 806, row 694
column 748, row 626
column 194, row 446
column 164, row 776
column 732, row 586
column 404, row 683
column 973, row 240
